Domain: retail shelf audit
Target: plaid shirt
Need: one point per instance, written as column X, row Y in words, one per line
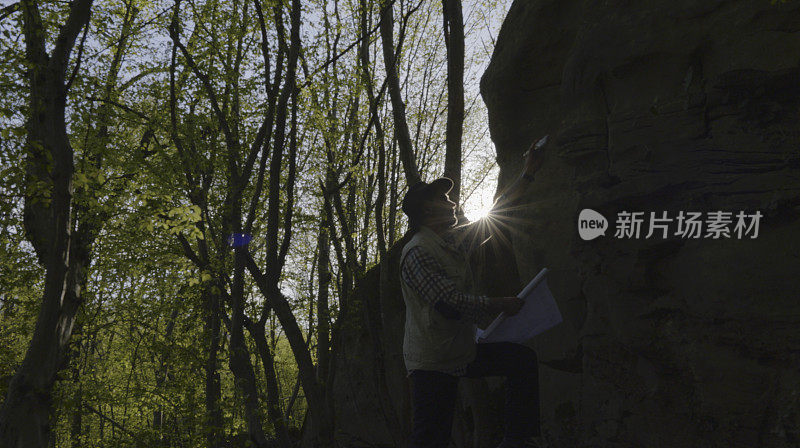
column 426, row 276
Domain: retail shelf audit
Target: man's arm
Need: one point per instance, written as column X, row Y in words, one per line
column 423, row 274
column 534, row 157
column 475, row 234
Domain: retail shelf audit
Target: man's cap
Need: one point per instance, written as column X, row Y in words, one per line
column 420, row 192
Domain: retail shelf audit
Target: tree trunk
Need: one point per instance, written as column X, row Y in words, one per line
column 211, row 330
column 393, row 198
column 454, row 40
column 323, row 313
column 161, row 375
column 240, row 363
column 25, row 413
column 398, row 106
column 76, row 417
column 322, row 428
column 273, row 391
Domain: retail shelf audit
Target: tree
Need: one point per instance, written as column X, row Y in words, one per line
column 398, row 106
column 454, row 41
column 194, row 127
column 25, row 413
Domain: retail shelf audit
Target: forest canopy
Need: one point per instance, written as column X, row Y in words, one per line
column 192, row 191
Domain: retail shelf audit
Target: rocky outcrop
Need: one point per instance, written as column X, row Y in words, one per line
column 370, row 393
column 659, row 106
column 666, row 342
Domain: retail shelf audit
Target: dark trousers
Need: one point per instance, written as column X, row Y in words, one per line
column 433, row 394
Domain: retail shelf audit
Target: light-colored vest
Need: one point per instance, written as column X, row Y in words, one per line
column 431, row 341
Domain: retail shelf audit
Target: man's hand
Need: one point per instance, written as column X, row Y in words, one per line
column 535, row 156
column 508, row 305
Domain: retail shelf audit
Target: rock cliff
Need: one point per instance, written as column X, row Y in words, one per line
column 659, row 106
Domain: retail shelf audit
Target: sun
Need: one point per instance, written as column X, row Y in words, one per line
column 476, row 213
column 478, row 202
column 478, row 192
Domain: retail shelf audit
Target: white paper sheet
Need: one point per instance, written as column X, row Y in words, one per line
column 539, row 314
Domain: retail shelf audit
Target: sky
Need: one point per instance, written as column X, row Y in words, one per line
column 482, row 25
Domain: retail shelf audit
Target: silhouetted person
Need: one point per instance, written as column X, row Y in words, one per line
column 441, row 313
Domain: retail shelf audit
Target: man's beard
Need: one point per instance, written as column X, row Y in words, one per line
column 447, row 220
column 453, row 219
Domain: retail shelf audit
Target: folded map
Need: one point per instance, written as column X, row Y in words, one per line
column 539, row 314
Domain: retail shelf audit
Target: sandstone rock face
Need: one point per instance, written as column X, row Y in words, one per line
column 370, row 396
column 659, row 106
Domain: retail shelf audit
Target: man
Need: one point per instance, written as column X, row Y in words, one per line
column 439, row 345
